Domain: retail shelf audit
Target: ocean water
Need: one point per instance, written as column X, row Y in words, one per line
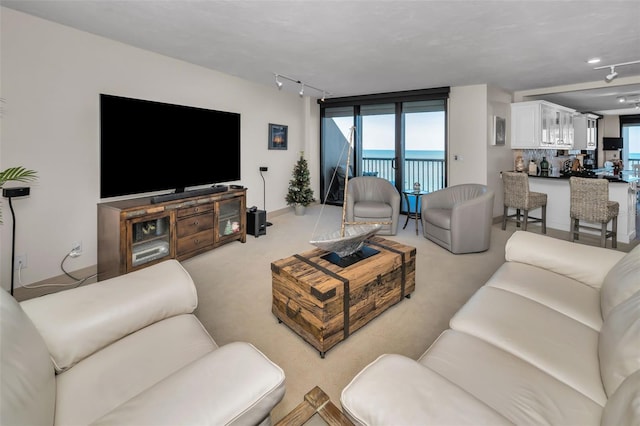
column 416, row 155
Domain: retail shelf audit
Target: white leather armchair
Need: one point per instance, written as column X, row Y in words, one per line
column 128, row 350
column 373, row 199
column 459, row 217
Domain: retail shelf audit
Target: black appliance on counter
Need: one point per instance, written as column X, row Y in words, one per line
column 585, row 173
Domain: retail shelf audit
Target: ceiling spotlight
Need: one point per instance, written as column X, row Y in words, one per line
column 323, row 96
column 638, row 105
column 278, row 82
column 593, row 61
column 609, row 78
column 622, row 99
column 301, row 89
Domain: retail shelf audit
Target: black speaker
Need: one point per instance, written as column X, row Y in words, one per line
column 257, row 223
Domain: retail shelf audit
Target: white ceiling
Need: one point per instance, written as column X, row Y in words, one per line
column 354, row 47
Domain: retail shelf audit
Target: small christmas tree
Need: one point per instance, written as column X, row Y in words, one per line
column 299, row 190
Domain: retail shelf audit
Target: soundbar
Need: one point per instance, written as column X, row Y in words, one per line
column 186, row 194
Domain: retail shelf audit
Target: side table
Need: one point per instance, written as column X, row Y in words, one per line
column 415, row 215
column 315, row 402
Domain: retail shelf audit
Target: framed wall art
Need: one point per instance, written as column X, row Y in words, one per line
column 499, row 130
column 277, row 136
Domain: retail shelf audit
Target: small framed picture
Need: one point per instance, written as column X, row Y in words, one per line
column 277, row 136
column 499, row 130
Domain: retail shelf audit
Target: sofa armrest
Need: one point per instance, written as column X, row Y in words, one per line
column 587, row 264
column 235, row 384
column 78, row 322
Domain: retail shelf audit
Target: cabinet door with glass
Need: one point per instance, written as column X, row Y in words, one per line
column 231, row 220
column 149, row 240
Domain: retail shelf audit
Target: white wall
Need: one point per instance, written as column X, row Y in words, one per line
column 51, row 76
column 499, row 157
column 467, row 135
column 471, row 111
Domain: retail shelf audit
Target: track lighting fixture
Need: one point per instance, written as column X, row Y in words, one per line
column 302, row 84
column 613, row 74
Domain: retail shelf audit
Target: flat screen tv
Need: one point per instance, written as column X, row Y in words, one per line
column 611, row 144
column 148, row 146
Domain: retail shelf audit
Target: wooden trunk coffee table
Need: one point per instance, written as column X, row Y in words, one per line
column 324, row 303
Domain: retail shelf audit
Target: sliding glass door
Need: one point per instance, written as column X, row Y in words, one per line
column 399, row 138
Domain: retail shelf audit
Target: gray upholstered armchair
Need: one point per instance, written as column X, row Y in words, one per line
column 459, row 217
column 373, row 199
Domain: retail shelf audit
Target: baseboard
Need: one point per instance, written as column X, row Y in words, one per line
column 60, row 283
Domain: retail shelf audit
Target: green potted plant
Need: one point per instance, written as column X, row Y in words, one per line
column 16, row 174
column 300, row 194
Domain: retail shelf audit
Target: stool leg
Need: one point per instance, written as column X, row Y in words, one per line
column 614, row 232
column 504, row 217
column 525, row 219
column 603, row 235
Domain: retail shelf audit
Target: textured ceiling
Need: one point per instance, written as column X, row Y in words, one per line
column 353, row 47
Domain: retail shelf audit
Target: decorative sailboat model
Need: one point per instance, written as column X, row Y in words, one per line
column 346, row 245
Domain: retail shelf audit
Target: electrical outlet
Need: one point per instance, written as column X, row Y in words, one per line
column 264, row 169
column 76, row 249
column 20, row 261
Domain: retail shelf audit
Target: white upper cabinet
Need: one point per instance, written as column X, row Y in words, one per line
column 585, row 131
column 541, row 124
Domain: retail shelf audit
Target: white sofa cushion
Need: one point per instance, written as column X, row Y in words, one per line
column 583, row 263
column 396, row 390
column 565, row 295
column 162, row 348
column 622, row 281
column 619, row 346
column 555, row 343
column 623, row 408
column 28, row 386
column 76, row 324
column 233, row 385
column 511, row 386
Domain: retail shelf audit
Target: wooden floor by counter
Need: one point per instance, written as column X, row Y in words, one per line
column 315, row 402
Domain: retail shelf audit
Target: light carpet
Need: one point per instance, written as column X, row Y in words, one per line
column 234, row 291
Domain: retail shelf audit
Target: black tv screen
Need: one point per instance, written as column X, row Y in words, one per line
column 148, row 146
column 611, row 144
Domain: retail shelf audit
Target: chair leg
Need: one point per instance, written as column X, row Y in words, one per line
column 574, row 229
column 504, row 218
column 614, row 232
column 603, row 235
column 525, row 220
column 544, row 219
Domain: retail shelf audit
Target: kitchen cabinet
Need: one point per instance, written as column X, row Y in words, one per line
column 541, row 124
column 585, row 132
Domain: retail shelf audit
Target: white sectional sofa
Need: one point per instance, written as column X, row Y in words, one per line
column 552, row 338
column 128, row 350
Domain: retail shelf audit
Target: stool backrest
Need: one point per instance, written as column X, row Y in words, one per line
column 516, row 189
column 589, row 199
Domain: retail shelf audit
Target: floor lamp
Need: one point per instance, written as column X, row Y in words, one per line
column 264, row 192
column 10, row 193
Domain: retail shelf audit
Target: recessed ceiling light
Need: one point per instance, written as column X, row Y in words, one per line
column 593, row 61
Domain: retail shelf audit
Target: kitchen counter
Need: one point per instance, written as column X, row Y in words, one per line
column 559, row 198
column 625, row 176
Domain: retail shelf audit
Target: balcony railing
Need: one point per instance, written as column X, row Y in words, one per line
column 430, row 173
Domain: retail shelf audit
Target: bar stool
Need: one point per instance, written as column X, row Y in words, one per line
column 517, row 196
column 590, row 203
